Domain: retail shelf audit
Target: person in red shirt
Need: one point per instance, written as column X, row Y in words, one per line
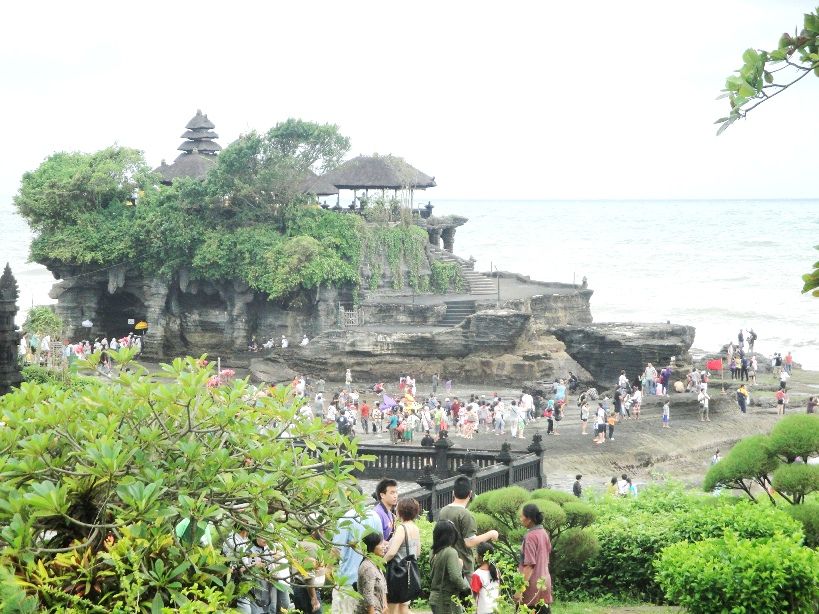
column 364, row 413
column 781, row 397
column 455, row 410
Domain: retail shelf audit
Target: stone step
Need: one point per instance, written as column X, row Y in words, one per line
column 457, row 312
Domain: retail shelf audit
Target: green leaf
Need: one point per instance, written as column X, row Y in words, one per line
column 157, row 604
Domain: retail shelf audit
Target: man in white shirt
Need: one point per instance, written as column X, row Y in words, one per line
column 622, row 485
column 304, row 341
column 285, row 342
column 622, row 381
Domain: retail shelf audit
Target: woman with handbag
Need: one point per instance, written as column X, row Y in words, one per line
column 404, row 551
column 446, row 570
column 372, row 586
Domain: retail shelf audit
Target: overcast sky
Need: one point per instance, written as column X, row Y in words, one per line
column 537, row 100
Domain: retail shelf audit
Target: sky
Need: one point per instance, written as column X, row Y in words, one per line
column 514, row 100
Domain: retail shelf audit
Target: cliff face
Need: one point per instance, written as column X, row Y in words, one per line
column 184, row 317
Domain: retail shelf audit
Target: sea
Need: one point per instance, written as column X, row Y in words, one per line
column 718, row 265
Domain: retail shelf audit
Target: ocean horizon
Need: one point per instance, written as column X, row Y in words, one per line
column 715, row 264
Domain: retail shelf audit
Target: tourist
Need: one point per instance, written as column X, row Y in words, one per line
column 704, row 400
column 534, row 564
column 447, row 567
column 667, row 415
column 34, row 348
column 427, row 441
column 406, row 542
column 584, row 418
column 465, row 523
column 788, row 363
column 560, row 391
column 550, row 417
column 632, row 489
column 392, row 426
column 500, row 424
column 351, row 528
column 600, row 424
column 732, row 365
column 386, row 495
column 577, row 487
column 622, row 381
column 520, row 415
column 780, row 402
column 364, row 414
column 636, row 402
column 622, row 485
column 435, row 383
column 265, row 597
column 650, row 376
column 306, row 586
column 742, row 398
column 812, row 403
column 512, row 419
column 372, row 585
column 611, row 489
column 743, row 368
column 285, row 343
column 784, row 376
column 377, row 418
column 776, row 363
column 485, row 581
column 753, row 366
column 348, row 378
column 611, row 420
column 716, row 458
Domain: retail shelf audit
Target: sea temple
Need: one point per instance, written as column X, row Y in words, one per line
column 415, row 306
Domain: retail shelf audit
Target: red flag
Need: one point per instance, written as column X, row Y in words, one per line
column 714, row 365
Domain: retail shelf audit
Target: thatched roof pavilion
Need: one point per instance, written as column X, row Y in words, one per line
column 198, row 151
column 313, row 184
column 379, row 173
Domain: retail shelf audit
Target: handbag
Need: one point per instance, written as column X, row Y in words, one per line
column 403, row 577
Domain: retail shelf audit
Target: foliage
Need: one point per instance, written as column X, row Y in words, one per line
column 749, row 462
column 446, row 277
column 808, row 515
column 247, row 220
column 812, row 279
column 43, row 321
column 562, row 515
column 754, row 459
column 796, row 480
column 795, row 436
column 765, row 74
column 731, row 574
column 633, row 531
column 35, row 374
column 97, row 486
column 68, row 186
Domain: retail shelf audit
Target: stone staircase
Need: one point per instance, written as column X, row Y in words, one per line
column 457, row 312
column 477, row 283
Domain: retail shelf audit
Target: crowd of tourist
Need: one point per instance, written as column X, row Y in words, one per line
column 460, row 567
column 40, row 350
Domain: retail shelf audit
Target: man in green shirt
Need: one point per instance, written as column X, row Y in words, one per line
column 464, row 522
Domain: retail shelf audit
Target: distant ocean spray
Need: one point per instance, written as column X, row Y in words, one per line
column 717, row 265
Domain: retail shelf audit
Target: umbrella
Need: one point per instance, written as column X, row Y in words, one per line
column 387, row 403
column 87, row 324
column 141, row 325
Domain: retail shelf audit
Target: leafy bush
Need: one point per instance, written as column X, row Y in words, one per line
column 808, row 515
column 43, row 321
column 796, row 480
column 731, row 574
column 795, row 436
column 35, row 374
column 573, row 549
column 745, row 519
column 96, row 483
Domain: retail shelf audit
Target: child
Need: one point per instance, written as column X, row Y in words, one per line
column 666, row 415
column 485, row 581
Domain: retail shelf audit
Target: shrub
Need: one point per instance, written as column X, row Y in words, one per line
column 573, row 549
column 795, row 435
column 808, row 515
column 731, row 574
column 745, row 519
column 796, row 480
column 94, row 484
column 43, row 321
column 558, row 496
column 35, row 374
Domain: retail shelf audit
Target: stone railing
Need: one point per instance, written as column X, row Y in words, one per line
column 435, row 470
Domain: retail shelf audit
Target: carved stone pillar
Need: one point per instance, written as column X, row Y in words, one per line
column 9, row 337
column 434, row 236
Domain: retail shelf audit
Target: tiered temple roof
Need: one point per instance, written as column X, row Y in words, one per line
column 198, row 151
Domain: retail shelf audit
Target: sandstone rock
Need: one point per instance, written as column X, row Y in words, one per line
column 605, row 349
column 271, row 372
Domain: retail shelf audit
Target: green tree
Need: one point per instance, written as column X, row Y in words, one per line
column 768, row 461
column 116, row 498
column 43, row 321
column 68, row 185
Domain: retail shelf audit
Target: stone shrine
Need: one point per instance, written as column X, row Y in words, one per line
column 9, row 336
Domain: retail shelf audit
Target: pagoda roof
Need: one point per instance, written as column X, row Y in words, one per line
column 194, row 165
column 371, row 172
column 199, row 121
column 204, row 146
column 8, row 285
column 199, row 133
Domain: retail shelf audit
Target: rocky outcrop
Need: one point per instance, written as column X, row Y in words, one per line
column 605, row 349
